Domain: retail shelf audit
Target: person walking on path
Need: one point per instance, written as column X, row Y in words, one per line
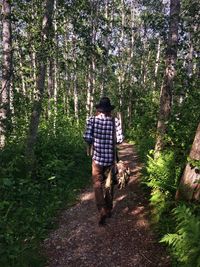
column 102, row 132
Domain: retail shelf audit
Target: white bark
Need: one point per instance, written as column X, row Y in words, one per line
column 170, row 72
column 88, row 101
column 40, row 85
column 6, row 69
column 21, row 72
column 189, row 187
column 75, row 97
column 106, row 44
column 157, row 62
column 50, row 85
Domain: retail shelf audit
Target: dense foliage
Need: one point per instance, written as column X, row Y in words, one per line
column 177, row 223
column 90, row 49
column 28, row 206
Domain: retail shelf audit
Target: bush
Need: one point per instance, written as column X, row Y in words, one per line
column 185, row 240
column 28, row 206
column 162, row 172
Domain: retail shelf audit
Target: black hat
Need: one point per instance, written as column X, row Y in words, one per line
column 104, row 105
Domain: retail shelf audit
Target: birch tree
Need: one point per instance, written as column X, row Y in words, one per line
column 189, row 187
column 6, row 69
column 170, row 71
column 40, row 83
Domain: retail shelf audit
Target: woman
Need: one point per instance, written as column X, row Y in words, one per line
column 102, row 132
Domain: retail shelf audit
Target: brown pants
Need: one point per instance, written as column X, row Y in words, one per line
column 103, row 196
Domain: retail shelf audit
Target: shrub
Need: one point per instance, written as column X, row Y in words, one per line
column 28, row 206
column 185, row 241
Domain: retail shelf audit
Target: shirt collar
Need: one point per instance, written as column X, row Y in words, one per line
column 102, row 115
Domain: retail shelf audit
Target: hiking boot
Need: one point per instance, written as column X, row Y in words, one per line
column 102, row 218
column 108, row 213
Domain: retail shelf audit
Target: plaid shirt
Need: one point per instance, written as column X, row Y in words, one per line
column 99, row 132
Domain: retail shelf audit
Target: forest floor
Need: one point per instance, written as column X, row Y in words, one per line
column 127, row 239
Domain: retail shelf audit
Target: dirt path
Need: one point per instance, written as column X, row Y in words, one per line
column 126, row 240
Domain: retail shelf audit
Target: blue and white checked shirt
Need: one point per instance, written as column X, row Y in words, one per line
column 99, row 132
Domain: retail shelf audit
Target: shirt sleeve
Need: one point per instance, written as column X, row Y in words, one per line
column 89, row 132
column 119, row 134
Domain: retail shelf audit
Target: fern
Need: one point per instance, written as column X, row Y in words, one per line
column 162, row 172
column 185, row 242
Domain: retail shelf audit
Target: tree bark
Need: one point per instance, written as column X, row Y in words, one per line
column 189, row 187
column 55, row 87
column 6, row 69
column 66, row 92
column 50, row 87
column 21, row 71
column 106, row 42
column 166, row 90
column 88, row 101
column 76, row 113
column 157, row 62
column 40, row 84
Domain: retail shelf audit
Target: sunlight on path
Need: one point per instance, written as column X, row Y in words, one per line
column 125, row 241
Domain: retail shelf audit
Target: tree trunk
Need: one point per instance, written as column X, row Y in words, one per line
column 75, row 96
column 144, row 58
column 66, row 92
column 93, row 85
column 50, row 88
column 88, row 101
column 34, row 70
column 157, row 62
column 132, row 31
column 6, row 69
column 189, row 187
column 166, row 90
column 74, row 78
column 40, row 84
column 121, row 74
column 55, row 87
column 104, row 68
column 94, row 23
column 21, row 71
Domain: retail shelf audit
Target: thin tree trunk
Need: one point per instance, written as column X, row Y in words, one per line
column 102, row 86
column 55, row 87
column 75, row 97
column 166, row 91
column 94, row 22
column 132, row 30
column 93, row 83
column 50, row 87
column 105, row 59
column 67, row 76
column 40, row 84
column 120, row 81
column 74, row 78
column 189, row 187
column 67, row 92
column 21, row 72
column 55, row 94
column 144, row 59
column 34, row 70
column 121, row 75
column 88, row 101
column 6, row 69
column 190, row 58
column 157, row 62
column 131, row 63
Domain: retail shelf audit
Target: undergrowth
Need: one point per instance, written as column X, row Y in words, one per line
column 176, row 223
column 28, row 206
column 185, row 240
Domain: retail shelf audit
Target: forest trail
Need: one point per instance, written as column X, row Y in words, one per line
column 126, row 240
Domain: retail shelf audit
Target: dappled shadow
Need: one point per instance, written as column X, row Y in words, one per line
column 126, row 240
